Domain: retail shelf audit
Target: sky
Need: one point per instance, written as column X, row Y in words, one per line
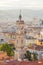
column 21, row 4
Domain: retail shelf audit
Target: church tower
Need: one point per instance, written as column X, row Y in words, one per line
column 20, row 41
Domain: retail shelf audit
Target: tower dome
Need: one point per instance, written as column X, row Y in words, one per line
column 20, row 21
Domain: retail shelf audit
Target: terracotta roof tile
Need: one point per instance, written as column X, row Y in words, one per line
column 22, row 63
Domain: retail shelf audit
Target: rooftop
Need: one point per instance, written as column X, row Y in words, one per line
column 40, row 62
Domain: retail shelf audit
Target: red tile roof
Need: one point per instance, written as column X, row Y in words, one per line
column 22, row 63
column 38, row 47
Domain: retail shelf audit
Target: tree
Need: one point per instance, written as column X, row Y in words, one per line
column 35, row 56
column 28, row 55
column 13, row 46
column 7, row 48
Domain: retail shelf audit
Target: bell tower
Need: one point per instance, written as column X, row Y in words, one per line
column 19, row 37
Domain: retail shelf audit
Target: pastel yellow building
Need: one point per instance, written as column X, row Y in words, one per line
column 39, row 41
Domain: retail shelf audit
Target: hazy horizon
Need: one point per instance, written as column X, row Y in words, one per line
column 10, row 9
column 13, row 14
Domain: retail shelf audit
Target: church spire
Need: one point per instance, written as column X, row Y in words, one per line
column 20, row 16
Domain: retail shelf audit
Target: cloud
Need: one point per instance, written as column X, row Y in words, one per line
column 21, row 4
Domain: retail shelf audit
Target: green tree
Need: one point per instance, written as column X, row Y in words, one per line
column 28, row 55
column 7, row 48
column 35, row 56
